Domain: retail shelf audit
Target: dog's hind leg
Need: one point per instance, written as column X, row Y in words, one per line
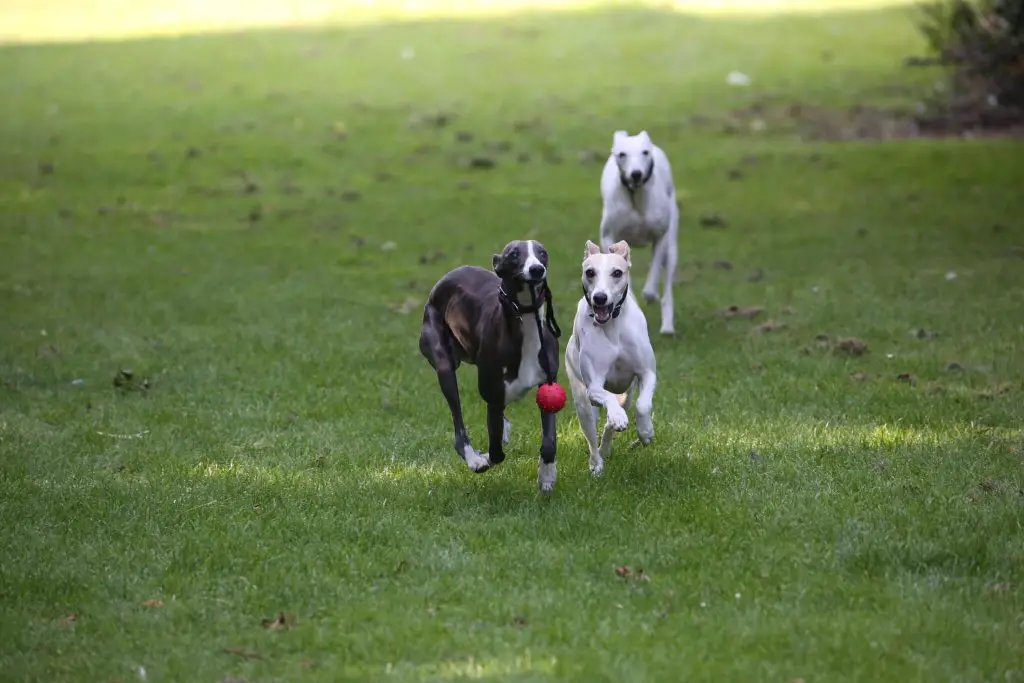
column 609, row 432
column 644, row 407
column 667, row 303
column 650, row 290
column 436, row 349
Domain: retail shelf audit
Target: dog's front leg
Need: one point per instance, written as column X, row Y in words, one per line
column 546, row 470
column 616, row 416
column 496, row 432
column 609, row 431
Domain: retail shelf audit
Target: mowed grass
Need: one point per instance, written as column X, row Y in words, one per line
column 250, row 224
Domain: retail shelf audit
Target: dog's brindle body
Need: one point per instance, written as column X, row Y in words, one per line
column 486, row 319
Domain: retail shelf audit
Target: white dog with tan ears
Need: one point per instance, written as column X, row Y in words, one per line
column 609, row 357
column 639, row 206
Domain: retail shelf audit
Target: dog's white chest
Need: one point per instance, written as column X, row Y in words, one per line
column 531, row 373
column 639, row 223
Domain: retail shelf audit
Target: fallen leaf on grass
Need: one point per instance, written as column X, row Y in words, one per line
column 626, row 573
column 954, row 366
column 770, row 326
column 1001, row 586
column 278, row 623
column 241, row 652
column 722, row 265
column 851, row 346
column 741, row 312
column 69, row 619
column 992, row 486
column 519, row 621
column 992, row 392
column 859, row 376
column 406, row 306
column 906, row 377
column 152, row 603
column 756, row 276
column 431, row 120
column 712, row 220
column 432, row 258
column 922, row 333
column 481, row 162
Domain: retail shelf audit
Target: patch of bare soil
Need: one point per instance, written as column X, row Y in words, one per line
column 863, row 122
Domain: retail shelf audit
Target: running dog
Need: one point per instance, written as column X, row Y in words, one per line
column 639, row 206
column 476, row 316
column 609, row 357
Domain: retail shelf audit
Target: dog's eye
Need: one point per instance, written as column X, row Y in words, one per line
column 616, row 273
column 513, row 257
column 590, row 273
column 622, row 155
column 647, row 152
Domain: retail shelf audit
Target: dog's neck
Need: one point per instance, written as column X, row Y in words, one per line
column 631, row 191
column 508, row 297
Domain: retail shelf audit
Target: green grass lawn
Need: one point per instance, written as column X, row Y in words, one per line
column 251, row 222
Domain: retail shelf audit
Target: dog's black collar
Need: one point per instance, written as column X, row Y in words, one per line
column 643, row 181
column 510, row 302
column 615, row 311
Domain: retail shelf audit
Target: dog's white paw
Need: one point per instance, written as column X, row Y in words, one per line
column 506, row 432
column 478, row 462
column 650, row 295
column 596, row 466
column 668, row 330
column 617, row 419
column 547, row 473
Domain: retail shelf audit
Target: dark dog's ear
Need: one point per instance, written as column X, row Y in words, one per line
column 495, row 262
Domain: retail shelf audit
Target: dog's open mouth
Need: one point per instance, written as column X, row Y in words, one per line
column 603, row 314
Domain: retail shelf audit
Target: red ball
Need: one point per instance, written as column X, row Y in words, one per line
column 551, row 397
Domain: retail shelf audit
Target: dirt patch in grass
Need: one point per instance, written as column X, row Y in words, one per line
column 860, row 122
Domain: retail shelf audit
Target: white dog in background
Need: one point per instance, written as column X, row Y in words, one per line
column 639, row 198
column 609, row 355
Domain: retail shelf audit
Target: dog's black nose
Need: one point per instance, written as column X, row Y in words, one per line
column 636, row 176
column 536, row 271
column 600, row 298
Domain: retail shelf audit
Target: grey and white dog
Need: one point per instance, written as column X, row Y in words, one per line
column 502, row 321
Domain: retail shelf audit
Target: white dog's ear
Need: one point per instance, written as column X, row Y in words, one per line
column 618, row 136
column 621, row 248
column 644, row 136
column 590, row 250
